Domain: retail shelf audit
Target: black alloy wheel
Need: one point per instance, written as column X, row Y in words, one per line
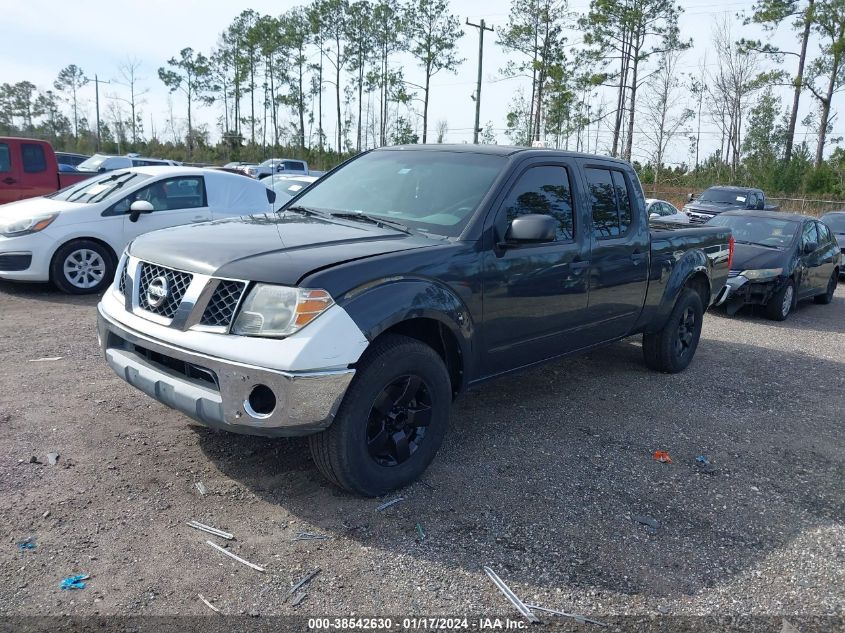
column 398, row 420
column 687, row 325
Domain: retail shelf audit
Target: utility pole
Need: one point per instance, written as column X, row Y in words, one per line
column 481, row 28
column 97, row 83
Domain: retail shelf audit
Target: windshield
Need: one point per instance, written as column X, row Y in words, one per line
column 98, row 188
column 432, row 191
column 723, row 196
column 836, row 222
column 93, row 163
column 755, row 230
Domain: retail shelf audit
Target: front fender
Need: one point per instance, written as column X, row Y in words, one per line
column 379, row 305
column 692, row 263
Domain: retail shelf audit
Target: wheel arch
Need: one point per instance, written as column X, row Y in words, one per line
column 85, row 238
column 690, row 271
column 422, row 309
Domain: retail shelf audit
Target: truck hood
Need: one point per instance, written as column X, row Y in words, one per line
column 711, row 207
column 752, row 257
column 272, row 248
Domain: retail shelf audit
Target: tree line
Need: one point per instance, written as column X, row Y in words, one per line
column 330, row 78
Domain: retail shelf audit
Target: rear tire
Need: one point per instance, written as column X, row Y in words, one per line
column 391, row 422
column 82, row 267
column 780, row 305
column 672, row 348
column 827, row 297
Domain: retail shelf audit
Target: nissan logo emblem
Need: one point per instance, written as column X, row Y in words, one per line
column 157, row 292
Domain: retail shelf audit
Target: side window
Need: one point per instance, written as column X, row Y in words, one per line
column 33, row 158
column 294, row 165
column 168, row 195
column 611, row 202
column 809, row 235
column 825, row 236
column 544, row 190
column 5, row 158
column 665, row 209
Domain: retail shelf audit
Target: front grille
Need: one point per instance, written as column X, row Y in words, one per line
column 733, row 273
column 177, row 285
column 221, row 306
column 122, row 283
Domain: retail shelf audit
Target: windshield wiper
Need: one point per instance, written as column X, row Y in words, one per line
column 372, row 219
column 777, row 248
column 306, row 211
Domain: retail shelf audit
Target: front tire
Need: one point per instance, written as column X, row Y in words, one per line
column 671, row 349
column 781, row 303
column 82, row 267
column 827, row 297
column 391, row 422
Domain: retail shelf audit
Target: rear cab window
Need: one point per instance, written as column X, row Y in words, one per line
column 5, row 159
column 611, row 202
column 33, row 158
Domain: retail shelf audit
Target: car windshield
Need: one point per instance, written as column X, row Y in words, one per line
column 749, row 229
column 93, row 163
column 836, row 222
column 723, row 196
column 431, row 191
column 98, row 188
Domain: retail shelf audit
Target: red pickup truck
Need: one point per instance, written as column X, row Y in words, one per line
column 28, row 168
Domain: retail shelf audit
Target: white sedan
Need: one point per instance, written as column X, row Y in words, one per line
column 663, row 211
column 75, row 236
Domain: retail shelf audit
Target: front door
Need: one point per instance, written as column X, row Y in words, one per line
column 809, row 262
column 10, row 188
column 619, row 258
column 176, row 201
column 535, row 295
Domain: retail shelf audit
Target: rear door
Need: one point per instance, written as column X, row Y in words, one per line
column 809, row 261
column 619, row 258
column 9, row 171
column 176, row 201
column 828, row 250
column 535, row 295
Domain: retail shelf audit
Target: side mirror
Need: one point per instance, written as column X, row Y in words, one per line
column 690, row 197
column 101, row 170
column 531, row 228
column 811, row 247
column 137, row 208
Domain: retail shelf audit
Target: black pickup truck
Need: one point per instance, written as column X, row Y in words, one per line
column 717, row 200
column 403, row 277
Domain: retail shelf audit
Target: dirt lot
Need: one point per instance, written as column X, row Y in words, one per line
column 543, row 477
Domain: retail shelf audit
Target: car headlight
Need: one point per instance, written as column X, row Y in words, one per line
column 761, row 274
column 25, row 226
column 274, row 311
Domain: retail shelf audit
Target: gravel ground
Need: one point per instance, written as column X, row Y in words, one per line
column 547, row 477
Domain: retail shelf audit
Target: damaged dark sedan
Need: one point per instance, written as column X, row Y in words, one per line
column 779, row 259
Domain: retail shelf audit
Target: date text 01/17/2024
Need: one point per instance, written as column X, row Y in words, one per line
column 416, row 623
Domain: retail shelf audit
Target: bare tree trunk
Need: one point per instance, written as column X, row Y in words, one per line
column 799, row 80
column 823, row 121
column 629, row 143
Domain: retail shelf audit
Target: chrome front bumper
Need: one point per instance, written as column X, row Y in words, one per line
column 215, row 392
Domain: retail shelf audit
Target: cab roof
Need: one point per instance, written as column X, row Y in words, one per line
column 498, row 150
column 776, row 215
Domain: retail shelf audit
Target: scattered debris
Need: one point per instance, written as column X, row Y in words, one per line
column 46, row 359
column 34, row 460
column 53, row 458
column 510, row 595
column 702, row 459
column 647, row 521
column 421, row 532
column 662, row 457
column 579, row 618
column 237, row 558
column 299, row 598
column 45, row 515
column 705, row 465
column 387, row 504
column 74, row 582
column 303, row 582
column 662, row 608
column 207, row 528
column 201, row 488
column 26, row 544
column 207, row 603
column 311, row 536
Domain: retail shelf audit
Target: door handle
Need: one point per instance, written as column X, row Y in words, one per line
column 9, row 180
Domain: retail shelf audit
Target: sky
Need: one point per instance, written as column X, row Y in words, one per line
column 39, row 37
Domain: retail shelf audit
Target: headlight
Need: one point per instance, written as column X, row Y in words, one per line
column 761, row 274
column 270, row 310
column 25, row 226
